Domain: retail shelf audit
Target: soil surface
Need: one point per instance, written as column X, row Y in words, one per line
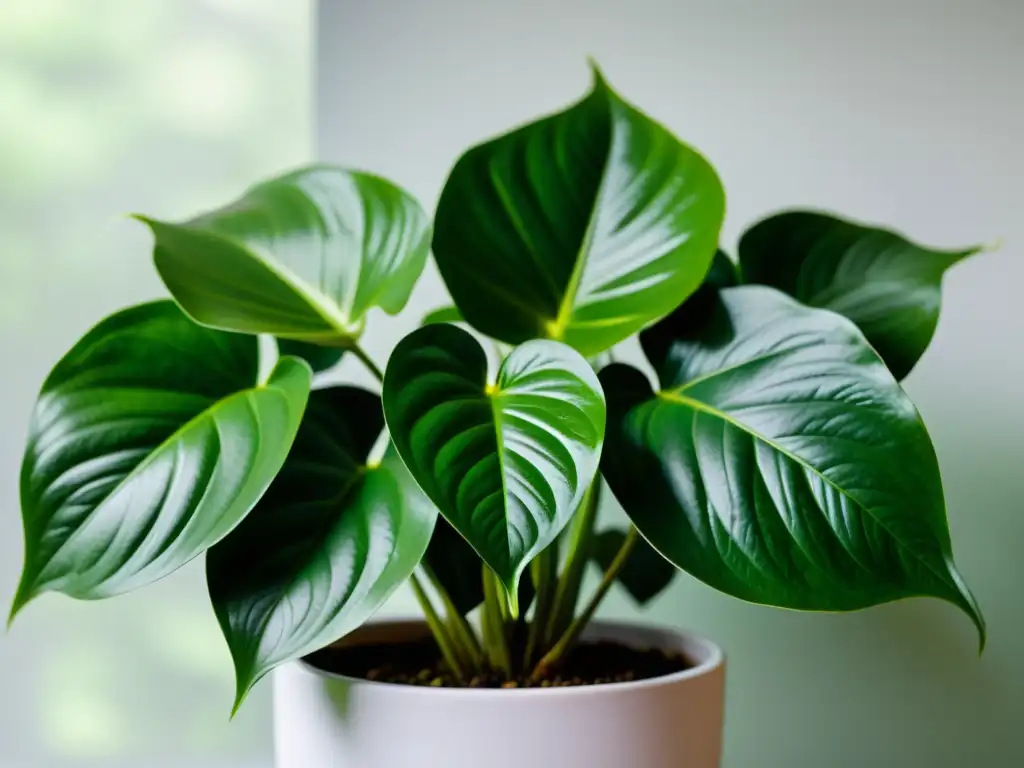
column 420, row 663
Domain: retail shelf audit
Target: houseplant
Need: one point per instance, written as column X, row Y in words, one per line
column 777, row 459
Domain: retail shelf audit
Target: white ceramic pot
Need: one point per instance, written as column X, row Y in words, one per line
column 323, row 720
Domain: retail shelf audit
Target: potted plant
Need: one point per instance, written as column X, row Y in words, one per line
column 773, row 454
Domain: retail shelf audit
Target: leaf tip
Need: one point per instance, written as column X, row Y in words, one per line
column 512, row 600
column 595, row 72
column 991, row 246
column 22, row 597
column 968, row 603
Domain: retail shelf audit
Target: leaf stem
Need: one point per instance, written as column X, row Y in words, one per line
column 557, row 654
column 438, row 630
column 571, row 579
column 497, row 634
column 544, row 571
column 462, row 631
column 366, row 360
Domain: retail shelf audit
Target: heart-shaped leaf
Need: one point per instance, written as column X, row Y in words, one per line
column 507, row 464
column 780, row 462
column 888, row 286
column 646, row 573
column 302, row 256
column 149, row 443
column 583, row 227
column 328, row 544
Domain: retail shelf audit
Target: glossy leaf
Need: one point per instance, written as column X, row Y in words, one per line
column 646, row 573
column 780, row 461
column 302, row 256
column 507, row 464
column 442, row 315
column 888, row 286
column 319, row 358
column 328, row 544
column 582, row 227
column 150, row 441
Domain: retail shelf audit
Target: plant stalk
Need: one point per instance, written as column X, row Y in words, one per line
column 571, row 579
column 460, row 629
column 438, row 630
column 366, row 360
column 544, row 572
column 496, row 629
column 557, row 654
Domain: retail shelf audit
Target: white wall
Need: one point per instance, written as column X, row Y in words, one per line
column 905, row 113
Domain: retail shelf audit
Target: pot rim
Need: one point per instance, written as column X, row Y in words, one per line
column 711, row 658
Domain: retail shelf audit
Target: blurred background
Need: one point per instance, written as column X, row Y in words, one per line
column 109, row 107
column 902, row 112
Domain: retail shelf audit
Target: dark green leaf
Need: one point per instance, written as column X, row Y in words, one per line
column 328, row 544
column 506, row 464
column 149, row 443
column 723, row 272
column 646, row 573
column 319, row 358
column 442, row 315
column 780, row 462
column 457, row 567
column 582, row 227
column 888, row 286
column 302, row 256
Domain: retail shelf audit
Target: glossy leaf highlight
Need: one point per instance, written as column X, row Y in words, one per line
column 150, row 441
column 889, row 286
column 582, row 227
column 780, row 461
column 302, row 256
column 507, row 464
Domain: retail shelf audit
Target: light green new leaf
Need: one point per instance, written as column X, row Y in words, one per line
column 780, row 462
column 328, row 544
column 442, row 315
column 302, row 256
column 582, row 227
column 150, row 441
column 507, row 464
column 888, row 286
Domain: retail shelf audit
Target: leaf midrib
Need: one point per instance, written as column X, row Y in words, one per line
column 676, row 396
column 568, row 304
column 328, row 311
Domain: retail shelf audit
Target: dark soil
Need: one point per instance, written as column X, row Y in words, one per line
column 420, row 663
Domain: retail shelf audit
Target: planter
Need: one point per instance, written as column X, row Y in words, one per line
column 323, row 720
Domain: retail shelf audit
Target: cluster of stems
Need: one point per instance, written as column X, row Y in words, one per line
column 531, row 646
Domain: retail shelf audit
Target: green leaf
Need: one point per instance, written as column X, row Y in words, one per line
column 507, row 464
column 328, row 544
column 646, row 573
column 780, row 461
column 319, row 358
column 582, row 227
column 302, row 256
column 888, row 286
column 149, row 443
column 723, row 272
column 442, row 315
